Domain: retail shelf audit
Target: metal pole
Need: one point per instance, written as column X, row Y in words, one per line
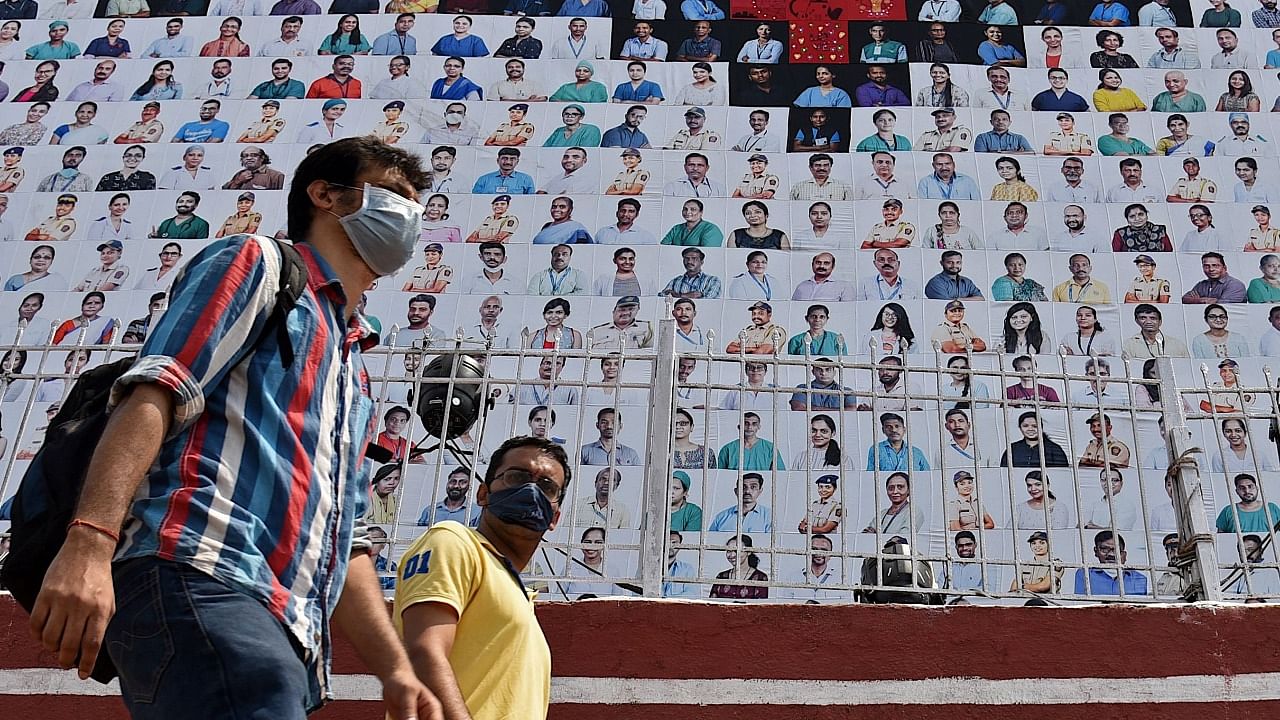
column 657, row 485
column 1197, row 557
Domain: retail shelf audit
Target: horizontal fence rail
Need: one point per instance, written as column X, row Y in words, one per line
column 974, row 477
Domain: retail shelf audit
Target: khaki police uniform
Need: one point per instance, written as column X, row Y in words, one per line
column 937, row 139
column 1268, row 239
column 1117, row 453
column 145, row 132
column 631, row 181
column 1149, row 290
column 424, row 277
column 751, row 186
column 705, row 140
column 390, row 132
column 53, row 228
column 102, row 275
column 1076, row 142
column 509, row 133
column 1200, row 189
column 882, row 234
column 767, row 334
column 821, row 513
column 236, row 224
column 265, row 130
column 491, row 226
column 638, row 335
column 12, row 175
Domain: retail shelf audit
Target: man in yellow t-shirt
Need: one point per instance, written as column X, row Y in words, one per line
column 464, row 613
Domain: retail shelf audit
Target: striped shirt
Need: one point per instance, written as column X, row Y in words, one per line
column 708, row 285
column 263, row 476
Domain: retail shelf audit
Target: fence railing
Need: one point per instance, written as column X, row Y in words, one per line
column 930, row 476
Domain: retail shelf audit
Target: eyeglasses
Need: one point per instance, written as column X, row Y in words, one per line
column 170, row 253
column 1217, row 316
column 548, row 487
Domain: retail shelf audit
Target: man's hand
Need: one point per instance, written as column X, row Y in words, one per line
column 408, row 699
column 77, row 600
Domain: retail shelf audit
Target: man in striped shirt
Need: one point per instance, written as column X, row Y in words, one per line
column 237, row 478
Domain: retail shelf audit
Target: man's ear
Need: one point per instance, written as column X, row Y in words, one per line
column 555, row 520
column 323, row 196
column 482, row 495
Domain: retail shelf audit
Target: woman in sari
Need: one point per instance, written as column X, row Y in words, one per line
column 563, row 229
column 454, row 85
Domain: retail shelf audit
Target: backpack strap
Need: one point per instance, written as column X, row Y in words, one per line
column 293, row 281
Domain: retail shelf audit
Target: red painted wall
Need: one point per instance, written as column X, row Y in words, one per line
column 610, row 639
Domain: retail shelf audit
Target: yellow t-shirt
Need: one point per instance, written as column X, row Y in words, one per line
column 500, row 657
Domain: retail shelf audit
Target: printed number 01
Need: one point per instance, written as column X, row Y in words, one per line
column 416, row 565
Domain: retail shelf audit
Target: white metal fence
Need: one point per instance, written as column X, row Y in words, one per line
column 984, row 476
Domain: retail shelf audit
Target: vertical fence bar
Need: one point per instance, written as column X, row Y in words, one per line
column 657, row 477
column 1201, row 572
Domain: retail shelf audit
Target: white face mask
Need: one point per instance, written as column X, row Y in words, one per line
column 384, row 229
column 453, row 118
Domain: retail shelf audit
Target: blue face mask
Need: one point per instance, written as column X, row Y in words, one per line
column 523, row 505
column 384, row 229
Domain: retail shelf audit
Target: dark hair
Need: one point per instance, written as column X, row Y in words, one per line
column 1106, row 535
column 886, row 417
column 833, row 456
column 753, row 560
column 1035, row 335
column 903, row 328
column 150, row 82
column 397, row 409
column 688, row 415
column 340, row 162
column 1245, row 88
column 1039, row 476
column 965, row 534
column 557, row 302
column 968, row 387
column 545, row 447
column 551, row 413
column 1102, row 36
column 948, row 88
column 15, row 352
column 1153, row 391
column 1147, row 309
column 353, row 38
column 445, row 198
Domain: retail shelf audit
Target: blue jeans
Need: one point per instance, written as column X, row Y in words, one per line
column 187, row 646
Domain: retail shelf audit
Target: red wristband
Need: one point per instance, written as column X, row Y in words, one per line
column 115, row 536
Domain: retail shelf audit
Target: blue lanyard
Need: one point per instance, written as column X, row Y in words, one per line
column 556, row 284
column 768, row 293
column 947, row 188
column 880, row 289
column 689, row 338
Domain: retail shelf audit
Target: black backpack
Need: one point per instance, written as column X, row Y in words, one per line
column 50, row 489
